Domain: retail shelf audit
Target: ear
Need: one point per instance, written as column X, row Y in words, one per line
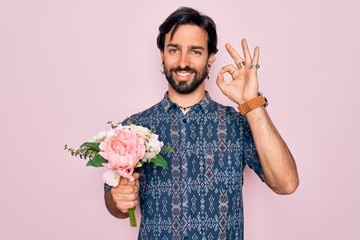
column 162, row 55
column 211, row 59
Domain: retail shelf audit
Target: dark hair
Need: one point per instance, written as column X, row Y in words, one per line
column 186, row 15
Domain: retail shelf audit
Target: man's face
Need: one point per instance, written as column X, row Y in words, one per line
column 186, row 58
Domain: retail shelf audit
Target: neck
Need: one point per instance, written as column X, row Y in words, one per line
column 189, row 99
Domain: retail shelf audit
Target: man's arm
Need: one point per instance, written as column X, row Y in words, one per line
column 278, row 164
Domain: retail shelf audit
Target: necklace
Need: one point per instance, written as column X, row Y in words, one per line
column 185, row 108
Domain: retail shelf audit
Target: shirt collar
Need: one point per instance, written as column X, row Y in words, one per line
column 205, row 104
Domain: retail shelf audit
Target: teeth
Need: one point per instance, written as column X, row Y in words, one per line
column 183, row 74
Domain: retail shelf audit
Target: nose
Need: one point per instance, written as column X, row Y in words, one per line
column 184, row 60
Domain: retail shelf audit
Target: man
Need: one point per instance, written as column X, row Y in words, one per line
column 200, row 195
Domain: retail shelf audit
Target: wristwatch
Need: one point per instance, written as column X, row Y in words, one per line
column 253, row 104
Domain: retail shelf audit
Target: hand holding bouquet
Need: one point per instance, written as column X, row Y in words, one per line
column 120, row 150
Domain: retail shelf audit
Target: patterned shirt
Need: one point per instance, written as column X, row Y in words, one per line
column 200, row 195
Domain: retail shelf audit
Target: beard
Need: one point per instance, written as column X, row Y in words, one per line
column 185, row 87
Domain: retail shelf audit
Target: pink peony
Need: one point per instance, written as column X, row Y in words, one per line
column 123, row 149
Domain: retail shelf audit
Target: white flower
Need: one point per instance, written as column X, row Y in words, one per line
column 153, row 146
column 99, row 138
column 141, row 131
column 111, row 178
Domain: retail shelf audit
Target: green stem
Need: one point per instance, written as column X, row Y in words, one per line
column 132, row 217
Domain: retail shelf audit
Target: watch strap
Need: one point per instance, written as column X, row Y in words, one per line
column 252, row 104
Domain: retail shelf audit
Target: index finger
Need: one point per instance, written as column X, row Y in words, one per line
column 234, row 55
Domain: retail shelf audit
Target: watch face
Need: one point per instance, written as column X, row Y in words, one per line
column 266, row 101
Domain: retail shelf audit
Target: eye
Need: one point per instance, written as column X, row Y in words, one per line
column 173, row 50
column 196, row 52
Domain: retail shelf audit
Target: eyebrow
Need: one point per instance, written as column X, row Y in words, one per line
column 191, row 47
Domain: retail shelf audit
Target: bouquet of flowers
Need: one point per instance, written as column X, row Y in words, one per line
column 121, row 149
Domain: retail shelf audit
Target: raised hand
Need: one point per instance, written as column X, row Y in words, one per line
column 244, row 84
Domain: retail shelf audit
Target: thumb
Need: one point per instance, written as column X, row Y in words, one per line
column 136, row 176
column 134, row 180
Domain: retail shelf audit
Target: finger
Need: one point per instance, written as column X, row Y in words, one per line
column 123, row 210
column 256, row 56
column 136, row 175
column 125, row 206
column 137, row 184
column 245, row 48
column 124, row 189
column 129, row 189
column 126, row 181
column 220, row 81
column 126, row 201
column 234, row 55
column 126, row 197
column 135, row 178
column 228, row 69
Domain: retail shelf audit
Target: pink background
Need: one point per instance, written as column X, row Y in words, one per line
column 67, row 67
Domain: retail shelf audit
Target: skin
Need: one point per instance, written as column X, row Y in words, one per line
column 188, row 48
column 279, row 167
column 123, row 197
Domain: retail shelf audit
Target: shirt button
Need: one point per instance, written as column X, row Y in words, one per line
column 185, row 238
column 184, row 120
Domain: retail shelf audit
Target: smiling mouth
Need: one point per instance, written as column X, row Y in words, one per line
column 183, row 73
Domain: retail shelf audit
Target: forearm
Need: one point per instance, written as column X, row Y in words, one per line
column 277, row 162
column 111, row 206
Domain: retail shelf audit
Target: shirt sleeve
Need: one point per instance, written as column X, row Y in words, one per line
column 251, row 156
column 107, row 187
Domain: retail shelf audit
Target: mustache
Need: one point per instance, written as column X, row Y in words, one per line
column 185, row 69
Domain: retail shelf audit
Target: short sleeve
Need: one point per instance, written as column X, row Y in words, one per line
column 251, row 156
column 107, row 187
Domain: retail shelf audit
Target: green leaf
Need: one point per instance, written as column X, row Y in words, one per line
column 139, row 164
column 97, row 161
column 91, row 145
column 160, row 161
column 167, row 149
